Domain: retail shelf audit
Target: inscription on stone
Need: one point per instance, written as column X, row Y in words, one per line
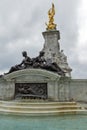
column 31, row 90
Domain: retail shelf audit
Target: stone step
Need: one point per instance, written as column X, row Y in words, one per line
column 53, row 108
column 40, row 108
column 22, row 103
column 38, row 113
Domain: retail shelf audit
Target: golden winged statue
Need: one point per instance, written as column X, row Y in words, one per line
column 51, row 25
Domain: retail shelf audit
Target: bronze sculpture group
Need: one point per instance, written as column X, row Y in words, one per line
column 37, row 62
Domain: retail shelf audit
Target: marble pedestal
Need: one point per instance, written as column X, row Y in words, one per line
column 7, row 82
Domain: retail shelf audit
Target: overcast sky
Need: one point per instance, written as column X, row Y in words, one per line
column 23, row 21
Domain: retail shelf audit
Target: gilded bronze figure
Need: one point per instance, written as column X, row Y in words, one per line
column 51, row 25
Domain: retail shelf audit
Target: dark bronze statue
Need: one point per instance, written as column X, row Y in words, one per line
column 54, row 67
column 23, row 65
column 38, row 62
